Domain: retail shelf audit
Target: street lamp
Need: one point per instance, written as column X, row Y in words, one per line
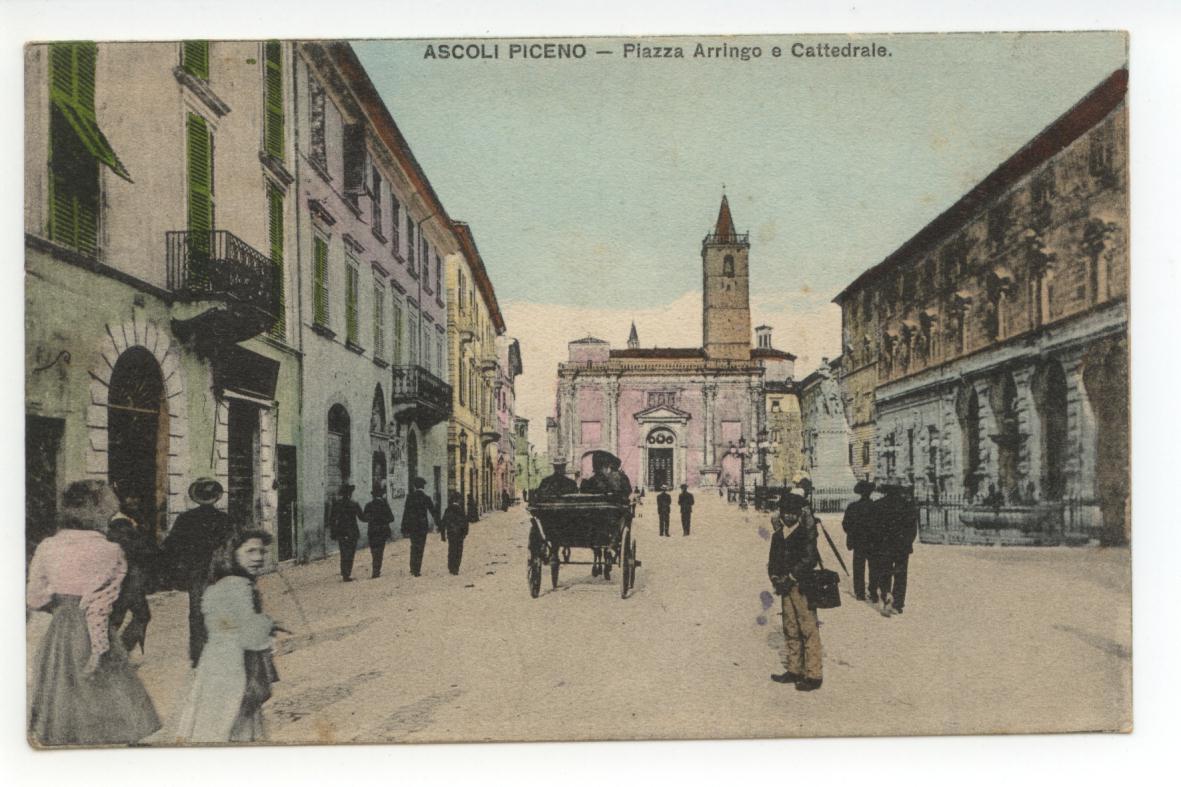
column 741, row 451
column 763, row 447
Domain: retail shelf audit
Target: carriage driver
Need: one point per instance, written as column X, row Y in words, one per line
column 556, row 484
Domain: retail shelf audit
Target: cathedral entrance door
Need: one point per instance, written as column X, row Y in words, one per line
column 660, row 467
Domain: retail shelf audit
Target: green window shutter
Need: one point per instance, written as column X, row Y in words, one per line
column 275, row 226
column 274, row 100
column 195, row 58
column 200, row 155
column 320, row 283
column 378, row 321
column 350, row 303
column 73, row 181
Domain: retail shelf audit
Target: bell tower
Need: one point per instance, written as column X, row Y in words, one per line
column 725, row 292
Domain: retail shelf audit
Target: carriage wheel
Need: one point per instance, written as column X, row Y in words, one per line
column 554, row 565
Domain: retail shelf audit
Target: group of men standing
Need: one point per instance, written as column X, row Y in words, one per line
column 881, row 535
column 664, row 504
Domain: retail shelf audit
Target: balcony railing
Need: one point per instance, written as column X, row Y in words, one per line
column 737, row 238
column 419, row 395
column 218, row 265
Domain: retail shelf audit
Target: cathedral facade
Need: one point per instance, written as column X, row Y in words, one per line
column 675, row 415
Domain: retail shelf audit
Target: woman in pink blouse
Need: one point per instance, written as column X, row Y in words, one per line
column 84, row 690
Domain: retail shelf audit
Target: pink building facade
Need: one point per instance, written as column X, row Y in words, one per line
column 673, row 415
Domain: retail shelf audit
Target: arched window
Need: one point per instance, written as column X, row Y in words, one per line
column 137, row 431
column 338, row 449
column 728, row 265
column 1050, row 395
column 970, row 428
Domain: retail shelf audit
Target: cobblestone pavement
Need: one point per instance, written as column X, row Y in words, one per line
column 1013, row 639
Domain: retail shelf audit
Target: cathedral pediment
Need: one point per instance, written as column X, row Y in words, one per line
column 662, row 414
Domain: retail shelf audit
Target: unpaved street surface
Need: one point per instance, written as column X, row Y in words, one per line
column 992, row 640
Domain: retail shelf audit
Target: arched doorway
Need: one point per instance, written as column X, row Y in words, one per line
column 659, row 447
column 338, row 453
column 137, row 433
column 1050, row 396
column 1008, row 440
column 968, row 408
column 411, row 460
column 1106, row 381
column 379, row 439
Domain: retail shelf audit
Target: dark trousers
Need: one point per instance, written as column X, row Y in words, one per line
column 454, row 554
column 859, row 565
column 417, row 547
column 348, row 550
column 664, row 517
column 686, row 515
column 888, row 574
column 900, row 565
column 377, row 549
column 197, row 635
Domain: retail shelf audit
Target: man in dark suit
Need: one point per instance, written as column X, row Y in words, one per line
column 342, row 526
column 188, row 552
column 416, row 525
column 792, row 558
column 128, row 529
column 898, row 521
column 556, row 484
column 380, row 517
column 857, row 524
column 685, row 503
column 664, row 504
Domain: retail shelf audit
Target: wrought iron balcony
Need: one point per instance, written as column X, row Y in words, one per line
column 489, row 435
column 419, row 396
column 225, row 289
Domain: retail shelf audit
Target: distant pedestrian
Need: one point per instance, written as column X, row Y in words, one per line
column 343, row 514
column 128, row 529
column 685, row 503
column 857, row 524
column 664, row 504
column 898, row 520
column 190, row 545
column 473, row 510
column 84, row 691
column 237, row 668
column 506, row 502
column 792, row 558
column 379, row 517
column 415, row 523
column 453, row 529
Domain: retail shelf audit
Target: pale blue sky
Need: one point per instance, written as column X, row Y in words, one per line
column 614, row 167
column 589, row 184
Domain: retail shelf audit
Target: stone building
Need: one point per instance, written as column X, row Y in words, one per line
column 474, row 323
column 504, row 393
column 781, row 450
column 159, row 332
column 826, row 440
column 673, row 415
column 373, row 238
column 990, row 350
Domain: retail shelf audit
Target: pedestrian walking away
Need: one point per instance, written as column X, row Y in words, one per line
column 792, row 558
column 237, row 667
column 898, row 520
column 129, row 530
column 343, row 514
column 380, row 518
column 453, row 529
column 190, row 545
column 685, row 503
column 416, row 525
column 84, row 690
column 857, row 524
column 664, row 504
column 473, row 509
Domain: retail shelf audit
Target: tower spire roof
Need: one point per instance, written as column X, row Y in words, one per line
column 725, row 226
column 633, row 338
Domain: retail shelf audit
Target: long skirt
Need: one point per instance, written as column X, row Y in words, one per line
column 71, row 708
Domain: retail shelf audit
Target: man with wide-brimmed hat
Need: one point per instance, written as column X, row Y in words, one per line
column 380, row 518
column 791, row 560
column 556, row 484
column 416, row 525
column 188, row 552
column 685, row 503
column 897, row 517
column 343, row 514
column 664, row 505
column 859, row 526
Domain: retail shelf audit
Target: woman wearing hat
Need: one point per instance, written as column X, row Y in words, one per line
column 84, row 690
column 188, row 549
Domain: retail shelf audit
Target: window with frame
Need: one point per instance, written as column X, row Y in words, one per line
column 352, row 283
column 410, row 244
column 320, row 281
column 439, row 342
column 77, row 147
column 426, row 265
column 462, row 292
column 395, row 218
column 728, row 265
column 194, row 59
column 396, row 318
column 776, row 406
column 428, row 357
column 275, row 233
column 439, row 276
column 375, row 204
column 378, row 319
column 318, row 149
column 865, row 453
column 412, row 332
column 274, row 120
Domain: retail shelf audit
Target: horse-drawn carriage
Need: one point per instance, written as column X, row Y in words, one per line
column 599, row 522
